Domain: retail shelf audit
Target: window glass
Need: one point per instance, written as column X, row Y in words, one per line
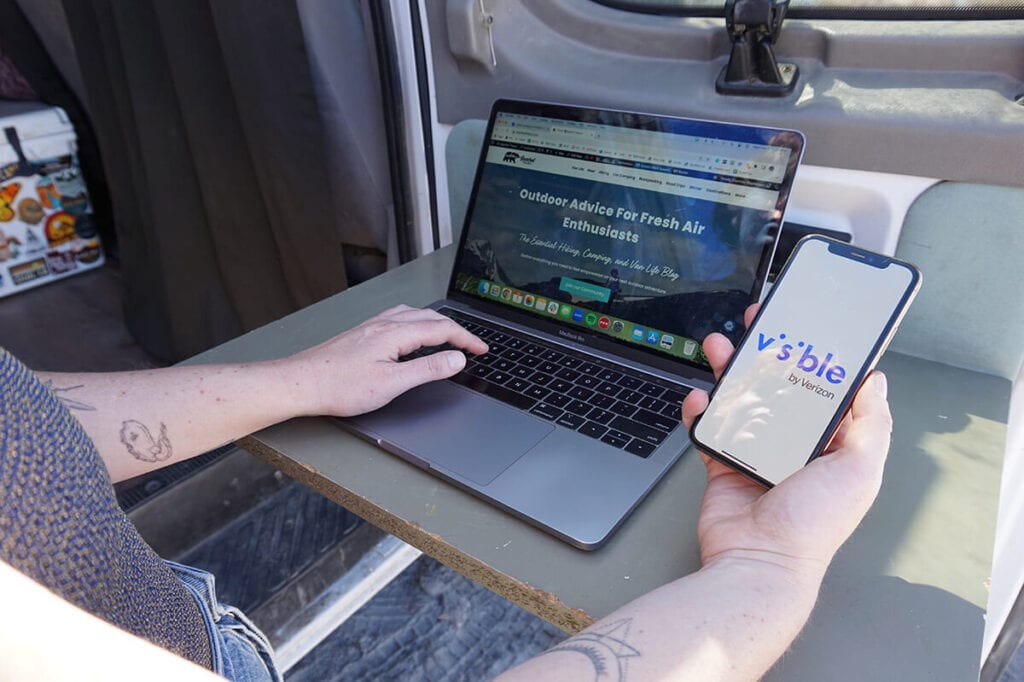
column 842, row 9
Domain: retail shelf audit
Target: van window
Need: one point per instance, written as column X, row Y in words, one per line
column 841, row 9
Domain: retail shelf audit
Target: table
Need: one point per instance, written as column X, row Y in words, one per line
column 904, row 599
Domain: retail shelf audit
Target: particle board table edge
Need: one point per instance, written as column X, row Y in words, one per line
column 538, row 602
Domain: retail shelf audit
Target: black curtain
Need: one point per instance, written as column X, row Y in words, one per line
column 214, row 149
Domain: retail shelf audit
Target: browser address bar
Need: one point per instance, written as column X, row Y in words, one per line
column 664, row 149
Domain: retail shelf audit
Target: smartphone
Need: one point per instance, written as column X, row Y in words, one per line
column 819, row 333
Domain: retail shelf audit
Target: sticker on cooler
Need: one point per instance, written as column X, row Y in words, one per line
column 47, row 229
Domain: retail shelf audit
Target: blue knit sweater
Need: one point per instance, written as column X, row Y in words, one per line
column 61, row 526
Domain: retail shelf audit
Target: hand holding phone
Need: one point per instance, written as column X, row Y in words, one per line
column 818, row 335
column 785, row 526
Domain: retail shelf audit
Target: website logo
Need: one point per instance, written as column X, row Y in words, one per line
column 518, row 158
column 809, row 362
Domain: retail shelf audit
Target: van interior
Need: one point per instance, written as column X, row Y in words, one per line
column 246, row 160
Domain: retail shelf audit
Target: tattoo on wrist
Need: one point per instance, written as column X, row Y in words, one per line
column 605, row 648
column 73, row 404
column 141, row 444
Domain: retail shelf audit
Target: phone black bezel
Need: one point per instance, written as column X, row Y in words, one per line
column 885, row 336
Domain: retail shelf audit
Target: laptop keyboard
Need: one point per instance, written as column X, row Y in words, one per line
column 628, row 410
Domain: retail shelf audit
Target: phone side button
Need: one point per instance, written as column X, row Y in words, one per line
column 640, row 448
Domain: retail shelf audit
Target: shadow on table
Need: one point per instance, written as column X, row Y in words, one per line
column 885, row 628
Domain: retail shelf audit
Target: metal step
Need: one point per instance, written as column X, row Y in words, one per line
column 315, row 604
column 307, row 572
column 297, row 563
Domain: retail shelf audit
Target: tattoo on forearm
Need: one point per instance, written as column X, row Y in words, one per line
column 605, row 648
column 141, row 444
column 70, row 402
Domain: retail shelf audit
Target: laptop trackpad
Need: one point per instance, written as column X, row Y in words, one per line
column 463, row 432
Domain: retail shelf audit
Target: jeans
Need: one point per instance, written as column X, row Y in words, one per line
column 240, row 652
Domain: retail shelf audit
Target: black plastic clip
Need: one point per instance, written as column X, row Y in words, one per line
column 754, row 26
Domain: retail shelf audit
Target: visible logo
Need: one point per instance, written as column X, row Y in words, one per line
column 484, row 287
column 652, row 337
column 517, row 297
column 506, row 293
column 808, row 362
column 542, row 304
column 689, row 348
column 577, row 315
column 566, row 311
column 495, row 290
column 591, row 319
column 638, row 333
column 667, row 341
column 553, row 307
column 604, row 323
column 529, row 300
column 617, row 326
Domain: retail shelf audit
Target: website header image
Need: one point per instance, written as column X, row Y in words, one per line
column 661, row 259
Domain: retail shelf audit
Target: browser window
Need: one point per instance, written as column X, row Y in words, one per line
column 652, row 237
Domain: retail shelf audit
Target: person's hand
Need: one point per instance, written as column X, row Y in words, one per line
column 800, row 523
column 358, row 370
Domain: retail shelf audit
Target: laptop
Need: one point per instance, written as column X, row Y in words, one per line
column 599, row 249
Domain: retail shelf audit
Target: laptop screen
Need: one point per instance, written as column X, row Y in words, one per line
column 647, row 231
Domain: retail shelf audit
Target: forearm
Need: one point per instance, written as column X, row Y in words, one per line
column 141, row 421
column 729, row 621
column 44, row 637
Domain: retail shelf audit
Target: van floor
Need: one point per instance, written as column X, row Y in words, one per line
column 429, row 623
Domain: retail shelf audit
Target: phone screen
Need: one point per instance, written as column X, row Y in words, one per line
column 795, row 373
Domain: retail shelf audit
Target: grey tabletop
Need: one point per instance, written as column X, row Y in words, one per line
column 904, row 599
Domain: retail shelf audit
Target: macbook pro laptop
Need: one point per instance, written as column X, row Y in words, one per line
column 599, row 249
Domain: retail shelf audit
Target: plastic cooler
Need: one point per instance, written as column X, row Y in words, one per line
column 47, row 229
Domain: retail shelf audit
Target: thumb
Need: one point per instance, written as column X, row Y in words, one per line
column 694, row 404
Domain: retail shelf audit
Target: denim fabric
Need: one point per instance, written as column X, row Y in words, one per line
column 240, row 652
